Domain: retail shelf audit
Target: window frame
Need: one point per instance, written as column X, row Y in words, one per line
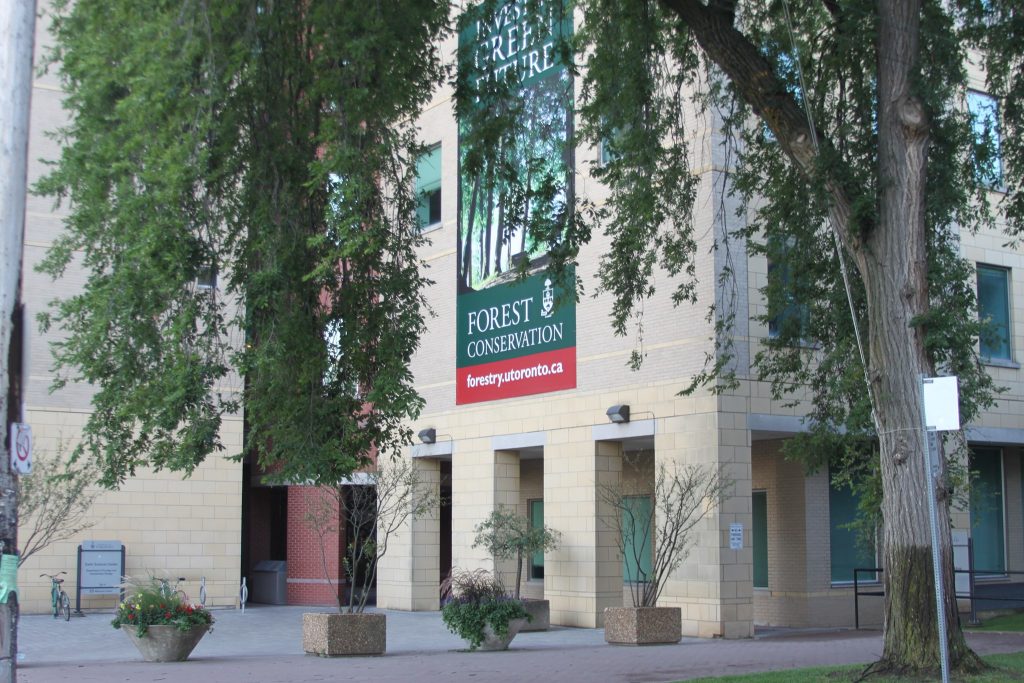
column 759, row 539
column 989, row 452
column 648, row 542
column 1007, row 326
column 426, row 191
column 850, row 540
column 535, row 569
column 992, row 178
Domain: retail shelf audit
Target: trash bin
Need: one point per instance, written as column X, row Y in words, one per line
column 270, row 582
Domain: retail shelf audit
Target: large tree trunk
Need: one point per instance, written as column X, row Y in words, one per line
column 894, row 267
column 891, row 258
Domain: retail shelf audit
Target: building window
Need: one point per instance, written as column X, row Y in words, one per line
column 987, row 509
column 847, row 550
column 787, row 315
column 994, row 308
column 637, row 521
column 206, row 277
column 537, row 522
column 759, row 538
column 984, row 112
column 611, row 146
column 428, row 188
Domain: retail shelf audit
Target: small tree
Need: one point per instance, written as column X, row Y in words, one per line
column 507, row 535
column 374, row 512
column 683, row 496
column 53, row 502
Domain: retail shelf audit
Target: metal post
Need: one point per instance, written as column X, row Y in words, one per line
column 856, row 602
column 975, row 621
column 78, row 584
column 931, row 471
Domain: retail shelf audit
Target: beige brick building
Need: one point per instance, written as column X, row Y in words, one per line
column 548, row 453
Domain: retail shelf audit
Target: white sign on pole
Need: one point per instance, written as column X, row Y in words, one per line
column 941, row 404
column 21, row 447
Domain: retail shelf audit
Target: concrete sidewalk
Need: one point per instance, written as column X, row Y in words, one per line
column 264, row 645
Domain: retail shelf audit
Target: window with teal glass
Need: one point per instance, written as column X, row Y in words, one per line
column 987, row 513
column 994, row 308
column 637, row 527
column 984, row 111
column 759, row 538
column 537, row 522
column 428, row 187
column 787, row 313
column 846, row 549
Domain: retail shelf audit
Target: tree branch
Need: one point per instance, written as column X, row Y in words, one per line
column 755, row 79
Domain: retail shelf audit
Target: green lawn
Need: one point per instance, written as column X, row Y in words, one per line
column 1006, row 622
column 1008, row 668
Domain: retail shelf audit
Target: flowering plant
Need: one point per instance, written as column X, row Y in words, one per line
column 151, row 604
column 476, row 599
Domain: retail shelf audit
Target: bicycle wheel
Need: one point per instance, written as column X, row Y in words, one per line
column 65, row 606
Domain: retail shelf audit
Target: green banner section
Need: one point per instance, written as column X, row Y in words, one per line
column 8, row 576
column 507, row 46
column 514, row 320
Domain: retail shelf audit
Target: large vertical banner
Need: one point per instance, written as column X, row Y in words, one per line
column 513, row 340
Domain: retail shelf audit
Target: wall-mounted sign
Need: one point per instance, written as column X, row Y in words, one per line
column 515, row 337
column 735, row 536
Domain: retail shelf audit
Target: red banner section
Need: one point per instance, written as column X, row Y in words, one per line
column 533, row 374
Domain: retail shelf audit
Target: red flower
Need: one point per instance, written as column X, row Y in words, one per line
column 167, row 615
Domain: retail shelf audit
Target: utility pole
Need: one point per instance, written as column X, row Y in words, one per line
column 17, row 38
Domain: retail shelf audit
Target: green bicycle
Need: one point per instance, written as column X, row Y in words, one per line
column 58, row 598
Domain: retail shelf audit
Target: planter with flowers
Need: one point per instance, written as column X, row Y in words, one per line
column 161, row 624
column 478, row 610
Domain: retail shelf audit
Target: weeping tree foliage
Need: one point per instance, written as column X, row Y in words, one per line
column 267, row 144
column 841, row 133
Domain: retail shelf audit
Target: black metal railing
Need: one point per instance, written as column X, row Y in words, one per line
column 878, row 590
column 1012, row 592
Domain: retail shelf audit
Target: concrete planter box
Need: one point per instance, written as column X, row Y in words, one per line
column 540, row 611
column 643, row 625
column 333, row 634
column 165, row 643
column 493, row 641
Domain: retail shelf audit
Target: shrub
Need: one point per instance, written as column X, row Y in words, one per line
column 478, row 599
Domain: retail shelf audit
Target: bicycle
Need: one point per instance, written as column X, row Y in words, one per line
column 58, row 598
column 168, row 591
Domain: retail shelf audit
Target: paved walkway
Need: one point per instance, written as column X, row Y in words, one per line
column 265, row 645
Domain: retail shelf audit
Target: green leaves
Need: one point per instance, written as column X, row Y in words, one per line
column 268, row 143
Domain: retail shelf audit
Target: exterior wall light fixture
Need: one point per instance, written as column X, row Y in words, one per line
column 619, row 414
column 428, row 435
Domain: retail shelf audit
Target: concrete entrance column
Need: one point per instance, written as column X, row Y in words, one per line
column 407, row 576
column 584, row 575
column 714, row 585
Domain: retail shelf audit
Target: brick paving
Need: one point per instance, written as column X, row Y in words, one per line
column 264, row 645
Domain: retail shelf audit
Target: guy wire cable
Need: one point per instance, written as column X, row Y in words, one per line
column 834, row 230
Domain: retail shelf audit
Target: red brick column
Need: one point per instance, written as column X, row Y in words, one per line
column 307, row 584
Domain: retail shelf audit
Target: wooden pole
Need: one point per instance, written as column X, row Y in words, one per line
column 17, row 29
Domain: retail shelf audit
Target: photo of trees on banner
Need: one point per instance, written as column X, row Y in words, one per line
column 515, row 188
